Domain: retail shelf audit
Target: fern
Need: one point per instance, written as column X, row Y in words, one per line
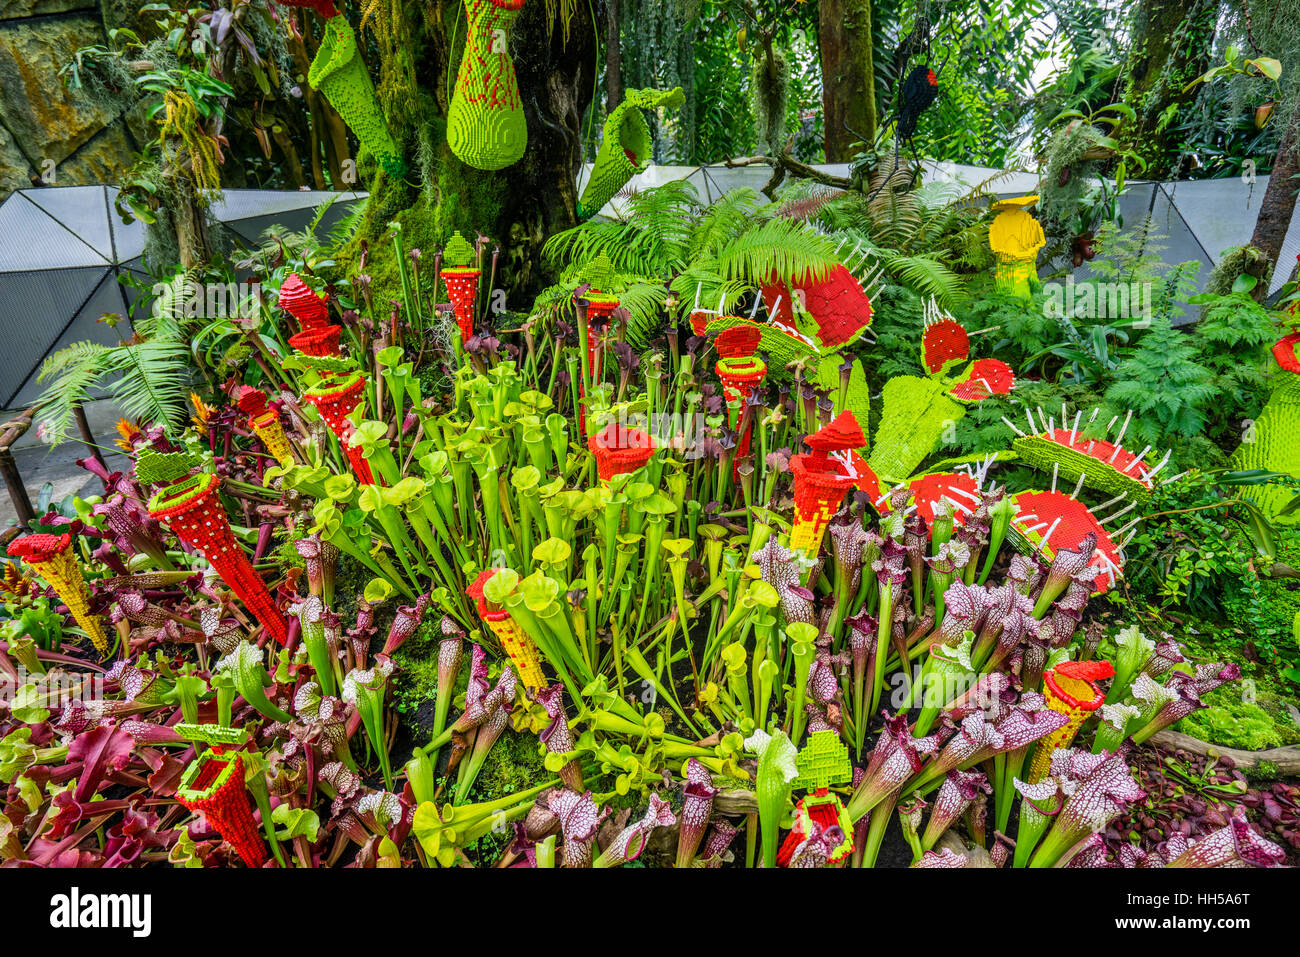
column 929, row 277
column 725, row 220
column 644, row 302
column 784, row 248
column 1165, row 386
column 154, row 381
column 74, row 371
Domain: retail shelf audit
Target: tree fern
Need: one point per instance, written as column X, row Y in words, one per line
column 149, row 377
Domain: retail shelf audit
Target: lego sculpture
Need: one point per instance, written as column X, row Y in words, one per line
column 917, row 410
column 1015, row 238
column 625, row 148
column 461, row 275
column 823, row 476
column 1273, row 442
column 486, row 127
column 340, row 74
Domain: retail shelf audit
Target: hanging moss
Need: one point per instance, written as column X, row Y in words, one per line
column 1067, row 177
column 769, row 89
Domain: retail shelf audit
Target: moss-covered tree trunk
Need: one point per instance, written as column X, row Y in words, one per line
column 420, row 46
column 1172, row 43
column 848, row 76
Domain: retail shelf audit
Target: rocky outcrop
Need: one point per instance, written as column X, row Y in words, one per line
column 50, row 134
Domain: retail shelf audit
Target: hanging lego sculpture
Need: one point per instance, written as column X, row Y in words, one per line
column 340, row 75
column 823, row 476
column 1273, row 441
column 917, row 410
column 461, row 274
column 486, row 127
column 51, row 557
column 265, row 423
column 625, row 148
column 1015, row 238
column 335, row 397
column 192, row 509
column 514, row 640
column 214, row 785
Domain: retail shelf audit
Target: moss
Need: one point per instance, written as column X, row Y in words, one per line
column 1264, row 771
column 417, row 679
column 1236, row 723
column 513, row 765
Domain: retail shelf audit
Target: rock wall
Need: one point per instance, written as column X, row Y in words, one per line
column 51, row 135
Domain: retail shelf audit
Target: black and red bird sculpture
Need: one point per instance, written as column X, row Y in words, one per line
column 920, row 90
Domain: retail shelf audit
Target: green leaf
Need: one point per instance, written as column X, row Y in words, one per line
column 1244, row 283
column 1267, row 66
column 296, row 822
column 1261, row 533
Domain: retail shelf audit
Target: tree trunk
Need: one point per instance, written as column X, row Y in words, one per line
column 1172, row 43
column 1278, row 205
column 613, row 56
column 848, row 76
column 517, row 207
column 327, row 133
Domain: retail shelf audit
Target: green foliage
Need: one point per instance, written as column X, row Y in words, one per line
column 1266, row 607
column 989, row 53
column 149, row 376
column 721, row 252
column 1165, row 385
column 1197, row 552
column 1234, row 338
column 1236, row 723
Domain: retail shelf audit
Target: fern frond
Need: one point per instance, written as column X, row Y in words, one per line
column 644, row 302
column 74, row 371
column 786, row 249
column 724, row 220
column 929, row 277
column 984, row 189
column 154, row 381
